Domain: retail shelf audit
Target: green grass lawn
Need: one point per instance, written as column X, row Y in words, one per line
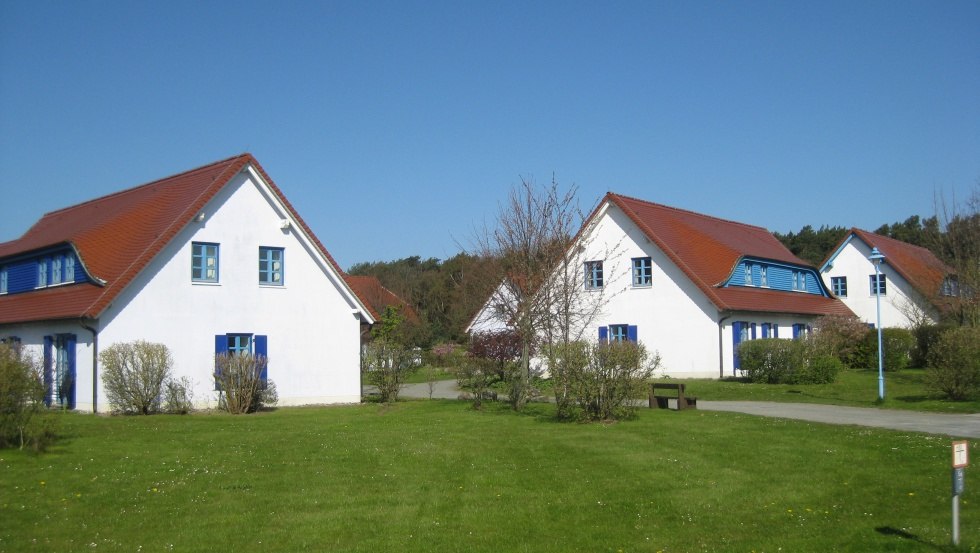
column 857, row 388
column 438, row 476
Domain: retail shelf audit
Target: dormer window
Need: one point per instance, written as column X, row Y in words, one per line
column 42, row 272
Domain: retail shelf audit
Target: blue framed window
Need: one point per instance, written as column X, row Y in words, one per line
column 239, row 344
column 204, row 262
column 593, row 275
column 3, row 280
column 56, row 270
column 800, row 330
column 59, row 370
column 950, row 287
column 747, row 274
column 839, row 286
column 69, row 270
column 617, row 333
column 642, row 271
column 880, row 288
column 42, row 272
column 763, row 280
column 799, row 280
column 270, row 266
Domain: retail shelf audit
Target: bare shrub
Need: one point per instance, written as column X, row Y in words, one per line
column 607, row 379
column 475, row 376
column 178, row 396
column 22, row 420
column 386, row 364
column 133, row 374
column 240, row 382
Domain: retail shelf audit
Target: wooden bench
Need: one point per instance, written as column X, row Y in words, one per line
column 660, row 399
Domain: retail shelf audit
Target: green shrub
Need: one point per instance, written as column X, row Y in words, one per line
column 608, row 380
column 897, row 345
column 954, row 364
column 133, row 374
column 386, row 364
column 925, row 336
column 841, row 337
column 22, row 419
column 778, row 361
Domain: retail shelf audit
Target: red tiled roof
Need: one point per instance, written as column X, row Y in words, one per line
column 917, row 265
column 376, row 297
column 117, row 235
column 708, row 249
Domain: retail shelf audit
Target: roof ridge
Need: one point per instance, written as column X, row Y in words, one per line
column 689, row 212
column 901, row 243
column 146, row 184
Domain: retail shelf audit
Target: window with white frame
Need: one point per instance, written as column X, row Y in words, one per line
column 204, row 262
column 763, row 279
column 3, row 280
column 593, row 275
column 642, row 271
column 270, row 266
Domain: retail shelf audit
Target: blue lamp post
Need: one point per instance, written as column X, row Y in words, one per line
column 876, row 258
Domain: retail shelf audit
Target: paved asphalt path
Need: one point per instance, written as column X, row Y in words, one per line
column 959, row 426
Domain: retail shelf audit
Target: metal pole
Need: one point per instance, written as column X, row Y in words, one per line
column 881, row 370
column 956, row 520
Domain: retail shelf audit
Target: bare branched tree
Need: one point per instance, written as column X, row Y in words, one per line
column 540, row 293
column 534, row 229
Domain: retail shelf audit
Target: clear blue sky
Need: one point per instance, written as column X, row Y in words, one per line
column 395, row 128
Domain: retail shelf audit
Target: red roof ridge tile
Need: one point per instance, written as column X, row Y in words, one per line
column 689, row 212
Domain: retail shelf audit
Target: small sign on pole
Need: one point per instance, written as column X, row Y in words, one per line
column 961, row 458
column 961, row 454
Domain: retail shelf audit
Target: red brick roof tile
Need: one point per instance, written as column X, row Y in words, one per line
column 917, row 265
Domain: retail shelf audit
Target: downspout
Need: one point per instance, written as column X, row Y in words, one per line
column 95, row 367
column 721, row 346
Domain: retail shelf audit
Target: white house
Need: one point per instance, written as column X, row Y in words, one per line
column 689, row 286
column 913, row 281
column 211, row 260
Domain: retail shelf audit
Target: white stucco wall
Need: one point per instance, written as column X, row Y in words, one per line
column 672, row 316
column 852, row 262
column 311, row 321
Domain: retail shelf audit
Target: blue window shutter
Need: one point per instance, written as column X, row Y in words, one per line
column 736, row 339
column 71, row 342
column 261, row 344
column 220, row 346
column 796, row 331
column 48, row 369
column 753, row 331
column 603, row 334
column 765, row 330
column 775, row 330
column 631, row 333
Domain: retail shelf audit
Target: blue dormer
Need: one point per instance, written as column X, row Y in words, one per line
column 761, row 273
column 54, row 267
